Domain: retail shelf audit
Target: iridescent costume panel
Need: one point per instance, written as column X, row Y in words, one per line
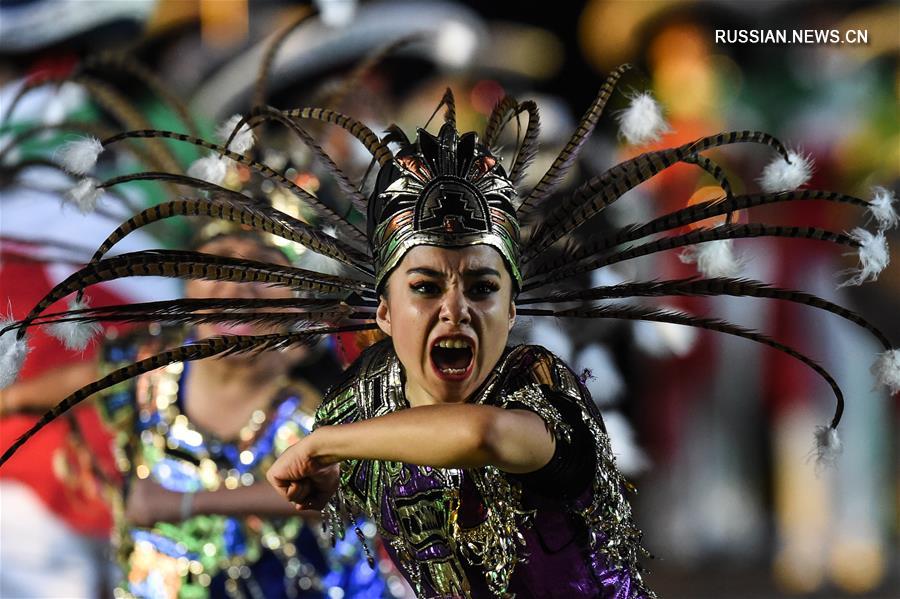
column 482, row 532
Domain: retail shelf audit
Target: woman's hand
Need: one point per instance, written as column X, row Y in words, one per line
column 304, row 478
column 149, row 502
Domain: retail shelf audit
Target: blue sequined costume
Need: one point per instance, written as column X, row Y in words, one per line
column 216, row 555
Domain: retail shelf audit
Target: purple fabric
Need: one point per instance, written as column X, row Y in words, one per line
column 560, row 562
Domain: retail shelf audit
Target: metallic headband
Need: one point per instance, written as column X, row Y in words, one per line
column 447, row 191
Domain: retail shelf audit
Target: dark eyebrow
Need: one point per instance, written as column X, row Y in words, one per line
column 480, row 272
column 428, row 272
column 471, row 272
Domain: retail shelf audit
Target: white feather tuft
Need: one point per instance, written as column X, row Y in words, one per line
column 873, row 257
column 12, row 355
column 336, row 13
column 80, row 157
column 85, row 195
column 75, row 335
column 210, row 168
column 243, row 140
column 887, row 370
column 664, row 339
column 786, row 175
column 642, row 121
column 882, row 208
column 828, row 446
column 713, row 258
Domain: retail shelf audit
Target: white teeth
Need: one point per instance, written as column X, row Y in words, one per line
column 453, row 343
column 453, row 370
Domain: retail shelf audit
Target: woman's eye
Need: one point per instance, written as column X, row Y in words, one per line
column 483, row 288
column 425, row 288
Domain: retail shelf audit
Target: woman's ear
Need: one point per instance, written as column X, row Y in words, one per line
column 383, row 316
column 512, row 314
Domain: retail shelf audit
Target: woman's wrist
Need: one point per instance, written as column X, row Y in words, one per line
column 323, row 444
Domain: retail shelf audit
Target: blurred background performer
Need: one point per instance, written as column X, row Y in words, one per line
column 194, row 443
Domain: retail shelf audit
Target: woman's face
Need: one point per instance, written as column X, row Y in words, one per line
column 448, row 312
column 236, row 247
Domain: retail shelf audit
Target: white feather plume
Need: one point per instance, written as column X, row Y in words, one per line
column 79, row 157
column 642, row 121
column 336, row 13
column 243, row 140
column 882, row 208
column 887, row 370
column 664, row 339
column 12, row 355
column 75, row 335
column 85, row 195
column 210, row 168
column 873, row 257
column 786, row 175
column 713, row 258
column 828, row 446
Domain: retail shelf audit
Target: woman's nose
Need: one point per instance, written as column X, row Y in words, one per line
column 455, row 307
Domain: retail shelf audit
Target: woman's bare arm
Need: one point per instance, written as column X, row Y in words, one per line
column 442, row 436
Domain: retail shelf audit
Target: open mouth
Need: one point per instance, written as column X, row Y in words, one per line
column 452, row 357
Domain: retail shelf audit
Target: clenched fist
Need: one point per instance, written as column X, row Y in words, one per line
column 304, row 478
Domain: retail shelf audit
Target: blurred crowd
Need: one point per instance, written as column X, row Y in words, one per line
column 155, row 488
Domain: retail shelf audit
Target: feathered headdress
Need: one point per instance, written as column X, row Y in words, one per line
column 447, row 190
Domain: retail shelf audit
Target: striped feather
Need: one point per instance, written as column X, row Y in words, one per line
column 562, row 268
column 528, row 149
column 362, row 133
column 353, row 234
column 206, row 348
column 195, row 265
column 449, row 102
column 269, row 113
column 708, row 287
column 721, row 326
column 271, row 52
column 503, row 111
column 570, row 151
column 603, row 190
column 235, row 207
